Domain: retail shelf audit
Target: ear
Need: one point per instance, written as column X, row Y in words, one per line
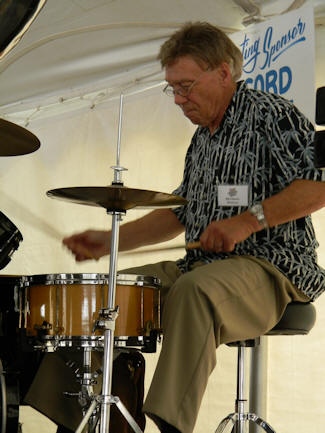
column 225, row 73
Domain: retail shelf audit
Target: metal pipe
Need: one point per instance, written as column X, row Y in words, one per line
column 109, row 333
column 3, row 399
column 240, row 402
column 117, row 172
column 258, row 381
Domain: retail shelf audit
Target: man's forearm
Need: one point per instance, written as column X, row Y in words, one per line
column 157, row 226
column 301, row 198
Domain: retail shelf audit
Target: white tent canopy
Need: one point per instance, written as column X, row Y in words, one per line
column 102, row 47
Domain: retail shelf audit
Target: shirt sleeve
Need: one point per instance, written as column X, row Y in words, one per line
column 292, row 147
column 182, row 189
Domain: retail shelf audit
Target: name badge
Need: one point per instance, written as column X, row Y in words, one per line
column 232, row 195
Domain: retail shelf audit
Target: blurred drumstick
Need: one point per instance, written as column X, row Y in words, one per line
column 193, row 245
column 30, row 218
column 41, row 225
column 189, row 246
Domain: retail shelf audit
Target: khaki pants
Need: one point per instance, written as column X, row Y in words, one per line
column 228, row 300
column 234, row 299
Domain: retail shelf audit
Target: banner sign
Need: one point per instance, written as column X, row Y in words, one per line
column 279, row 57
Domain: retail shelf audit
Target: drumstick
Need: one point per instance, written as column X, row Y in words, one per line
column 193, row 245
column 41, row 225
column 189, row 246
column 34, row 220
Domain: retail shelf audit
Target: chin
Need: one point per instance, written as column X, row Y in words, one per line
column 194, row 120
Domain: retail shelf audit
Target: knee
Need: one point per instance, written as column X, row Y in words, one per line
column 185, row 287
column 186, row 294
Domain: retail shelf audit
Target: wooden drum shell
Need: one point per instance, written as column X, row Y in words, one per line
column 68, row 304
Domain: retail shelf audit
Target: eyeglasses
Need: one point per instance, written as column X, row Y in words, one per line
column 183, row 91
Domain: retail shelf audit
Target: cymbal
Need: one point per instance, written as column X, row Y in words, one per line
column 16, row 140
column 116, row 197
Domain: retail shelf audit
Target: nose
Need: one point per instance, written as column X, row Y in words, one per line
column 178, row 99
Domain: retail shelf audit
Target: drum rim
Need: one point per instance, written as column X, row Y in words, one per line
column 93, row 278
column 10, row 279
column 53, row 343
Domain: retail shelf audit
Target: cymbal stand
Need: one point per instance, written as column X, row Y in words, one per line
column 109, row 315
column 87, row 380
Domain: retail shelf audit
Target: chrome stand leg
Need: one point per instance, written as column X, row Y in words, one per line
column 93, row 408
column 106, row 321
column 3, row 400
column 108, row 317
column 87, row 389
column 239, row 419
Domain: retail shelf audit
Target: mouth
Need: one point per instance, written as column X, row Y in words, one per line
column 188, row 110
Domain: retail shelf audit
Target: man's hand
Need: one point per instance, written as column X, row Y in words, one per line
column 91, row 244
column 225, row 234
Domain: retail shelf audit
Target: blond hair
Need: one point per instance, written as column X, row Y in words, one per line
column 206, row 44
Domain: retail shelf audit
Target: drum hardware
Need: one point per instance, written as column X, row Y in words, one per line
column 148, row 327
column 43, row 328
column 145, row 343
column 87, row 379
column 16, row 140
column 107, row 318
column 116, row 199
column 10, row 237
column 41, row 332
column 3, row 400
column 150, row 343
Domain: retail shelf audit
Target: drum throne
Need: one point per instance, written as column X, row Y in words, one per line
column 298, row 319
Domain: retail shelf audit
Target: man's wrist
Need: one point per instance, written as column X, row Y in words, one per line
column 258, row 212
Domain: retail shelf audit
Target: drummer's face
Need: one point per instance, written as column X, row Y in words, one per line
column 208, row 95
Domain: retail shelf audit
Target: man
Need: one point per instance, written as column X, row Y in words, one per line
column 251, row 186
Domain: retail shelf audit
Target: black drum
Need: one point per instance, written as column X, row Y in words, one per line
column 17, row 366
column 10, row 237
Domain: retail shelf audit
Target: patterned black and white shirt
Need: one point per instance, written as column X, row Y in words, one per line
column 266, row 143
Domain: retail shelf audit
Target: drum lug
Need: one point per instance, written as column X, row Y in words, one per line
column 43, row 329
column 106, row 319
column 148, row 327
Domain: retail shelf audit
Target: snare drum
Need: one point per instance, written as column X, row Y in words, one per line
column 61, row 309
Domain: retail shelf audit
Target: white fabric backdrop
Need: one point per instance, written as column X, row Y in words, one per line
column 78, row 150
